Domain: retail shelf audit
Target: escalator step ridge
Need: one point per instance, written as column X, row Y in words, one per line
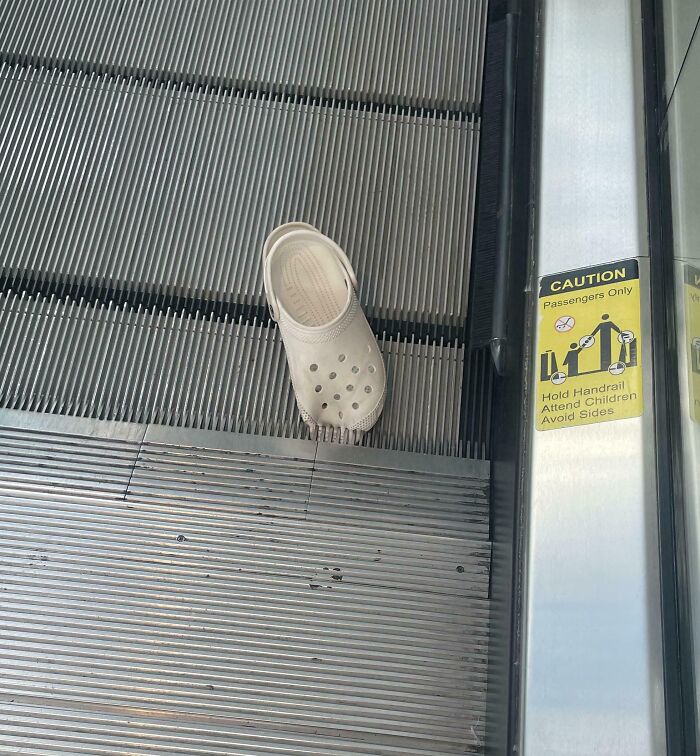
column 177, row 191
column 427, row 53
column 115, row 363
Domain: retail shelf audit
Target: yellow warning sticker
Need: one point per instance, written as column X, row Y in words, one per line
column 589, row 366
column 692, row 319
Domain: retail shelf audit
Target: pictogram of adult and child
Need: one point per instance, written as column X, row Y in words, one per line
column 617, row 351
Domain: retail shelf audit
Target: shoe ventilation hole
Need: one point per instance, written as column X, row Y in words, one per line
column 313, row 367
column 355, row 369
column 331, row 375
column 368, row 389
column 324, row 405
column 372, row 369
column 355, row 405
column 336, row 396
column 349, row 387
column 341, row 358
column 340, row 415
column 317, row 389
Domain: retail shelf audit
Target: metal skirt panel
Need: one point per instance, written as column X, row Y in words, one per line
column 156, row 189
column 241, row 596
column 592, row 661
column 426, row 53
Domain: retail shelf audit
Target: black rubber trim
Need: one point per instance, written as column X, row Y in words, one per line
column 478, row 327
column 514, row 27
column 679, row 683
column 138, row 296
column 510, row 454
column 483, row 268
column 504, row 216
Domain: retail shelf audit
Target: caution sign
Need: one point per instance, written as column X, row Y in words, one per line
column 589, row 366
column 692, row 318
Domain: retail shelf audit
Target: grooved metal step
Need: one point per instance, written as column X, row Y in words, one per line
column 238, row 595
column 67, row 357
column 143, row 185
column 425, row 53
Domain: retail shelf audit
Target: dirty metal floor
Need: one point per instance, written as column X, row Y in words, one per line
column 168, row 591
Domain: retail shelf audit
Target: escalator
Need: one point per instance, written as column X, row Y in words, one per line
column 186, row 569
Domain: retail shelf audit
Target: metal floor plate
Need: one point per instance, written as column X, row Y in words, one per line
column 217, row 593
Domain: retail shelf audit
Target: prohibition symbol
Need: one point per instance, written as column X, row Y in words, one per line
column 625, row 337
column 617, row 368
column 558, row 378
column 586, row 341
column 564, row 323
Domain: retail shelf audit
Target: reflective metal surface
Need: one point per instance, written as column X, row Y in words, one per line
column 683, row 118
column 591, row 207
column 683, row 123
column 689, row 382
column 592, row 677
column 198, row 592
column 680, row 19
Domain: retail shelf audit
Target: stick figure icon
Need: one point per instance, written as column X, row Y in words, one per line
column 605, row 328
column 571, row 359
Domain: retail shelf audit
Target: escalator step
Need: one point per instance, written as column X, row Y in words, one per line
column 100, row 361
column 426, row 53
column 130, row 182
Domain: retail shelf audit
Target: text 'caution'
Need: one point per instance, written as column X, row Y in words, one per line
column 589, row 366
